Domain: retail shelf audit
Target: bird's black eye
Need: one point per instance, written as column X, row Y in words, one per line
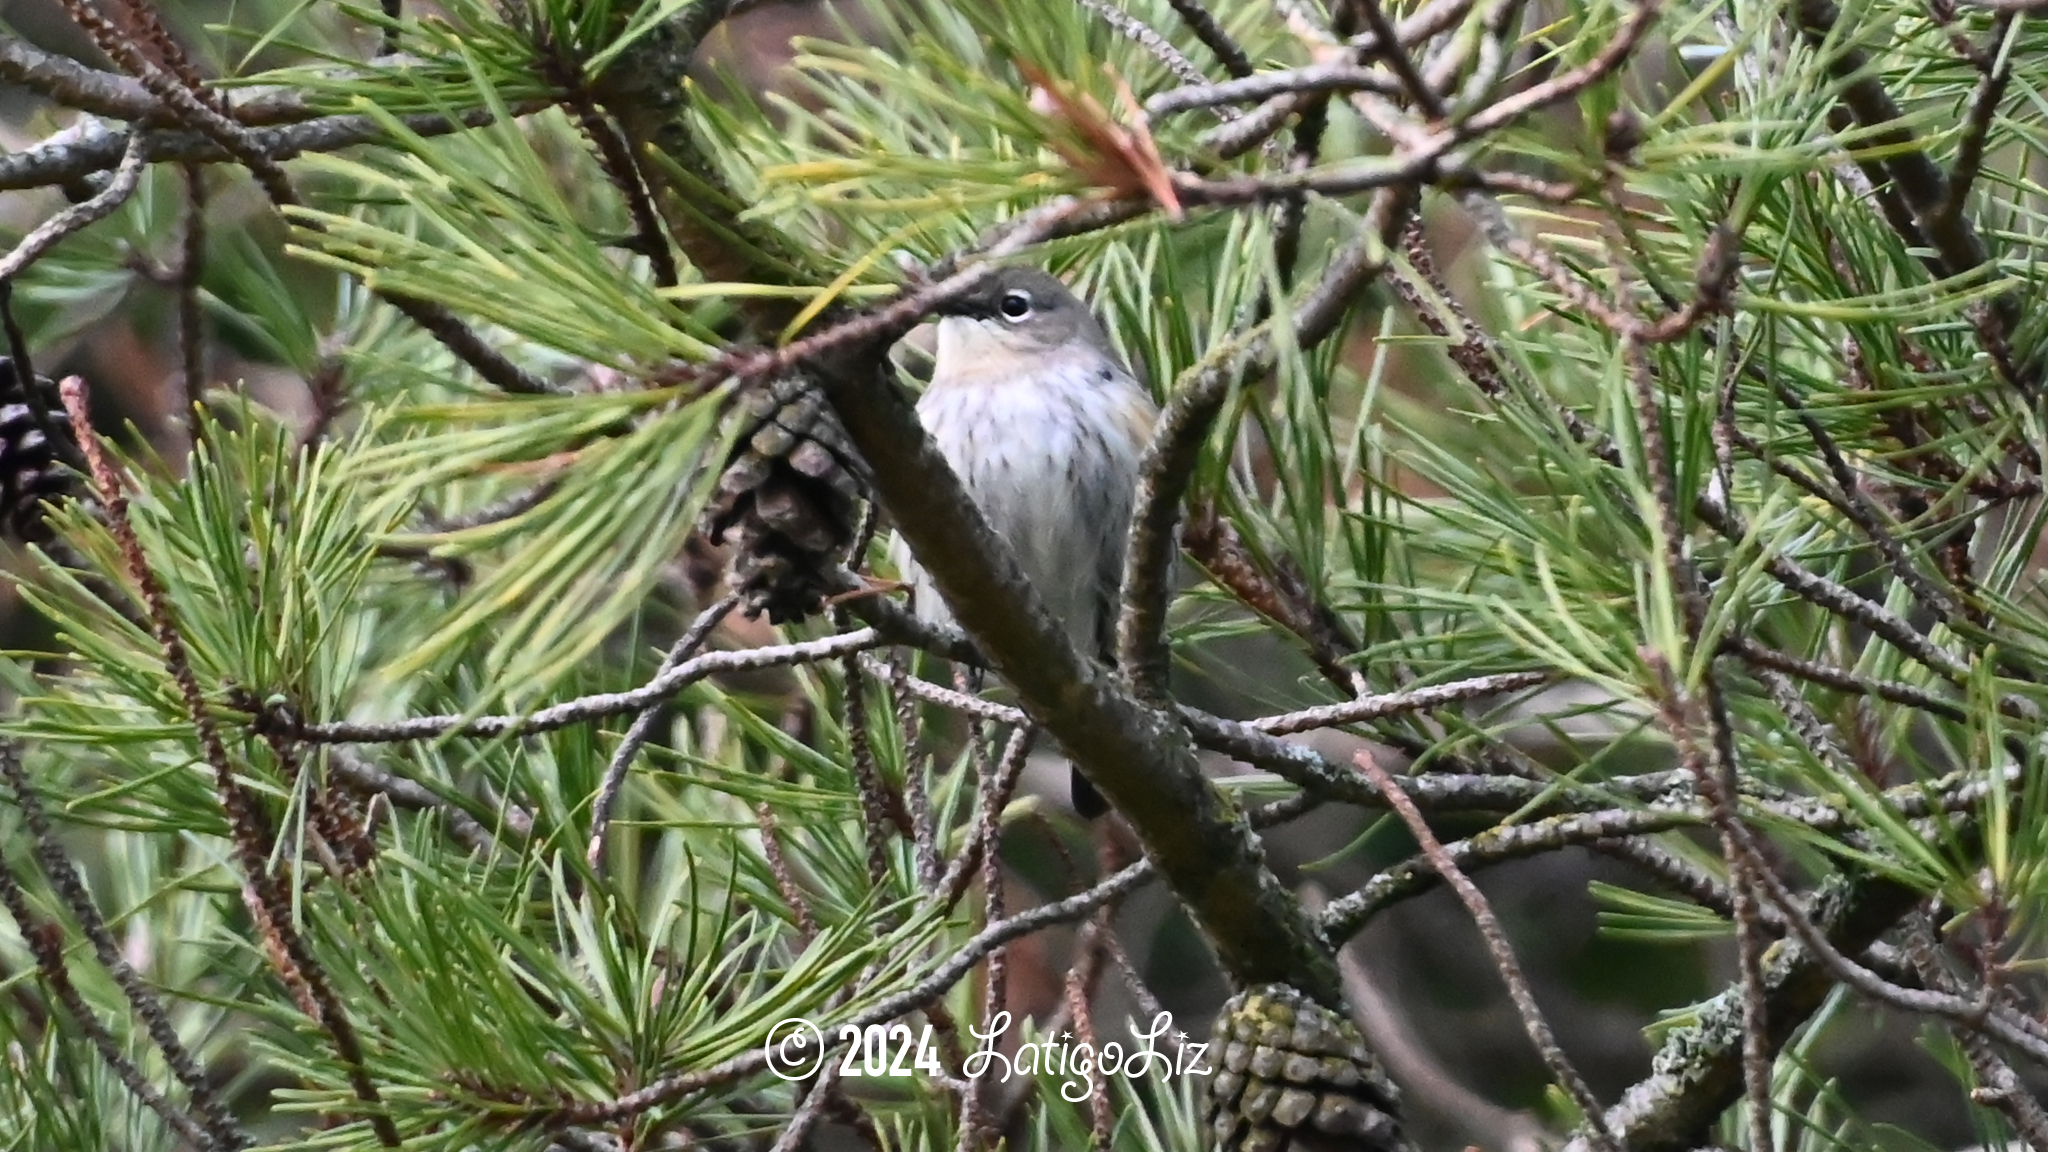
column 1015, row 305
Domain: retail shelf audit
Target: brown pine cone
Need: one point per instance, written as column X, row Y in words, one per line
column 32, row 468
column 1296, row 1077
column 788, row 501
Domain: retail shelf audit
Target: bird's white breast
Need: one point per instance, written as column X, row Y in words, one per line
column 1051, row 457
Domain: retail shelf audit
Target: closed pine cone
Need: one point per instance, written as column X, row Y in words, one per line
column 788, row 501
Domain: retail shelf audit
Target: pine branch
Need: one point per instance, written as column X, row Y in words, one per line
column 1136, row 755
column 76, row 154
column 645, row 89
column 1699, row 1070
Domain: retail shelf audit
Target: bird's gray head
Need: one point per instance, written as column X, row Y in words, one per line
column 1016, row 312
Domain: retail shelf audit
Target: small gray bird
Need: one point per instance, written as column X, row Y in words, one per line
column 1045, row 425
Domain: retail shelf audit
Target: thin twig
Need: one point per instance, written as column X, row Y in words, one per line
column 918, row 761
column 1841, row 679
column 1253, row 738
column 21, row 354
column 1326, row 779
column 1423, row 1078
column 246, row 823
column 517, row 504
column 876, row 806
column 466, row 829
column 1856, row 507
column 565, row 71
column 45, row 236
column 343, row 845
column 1347, row 915
column 1484, row 64
column 1209, row 31
column 1994, row 1020
column 1149, row 1006
column 46, row 943
column 70, row 886
column 1983, row 111
column 87, row 148
column 1503, row 954
column 1148, row 38
column 74, row 85
column 1611, row 56
column 952, row 699
column 975, row 1118
column 493, row 366
column 191, row 267
column 1197, row 400
column 192, row 106
column 587, row 708
column 1275, row 589
column 1078, row 994
column 1235, row 137
column 785, row 878
column 1290, row 216
column 1266, row 85
column 1693, row 881
column 1838, row 600
column 917, row 808
column 1698, row 1072
column 614, row 779
column 796, row 1134
column 1383, row 705
column 997, row 787
column 52, row 423
column 1714, row 775
column 1713, row 766
column 1998, row 1085
column 1956, row 247
column 165, row 50
column 183, row 98
column 1818, row 735
column 1388, row 47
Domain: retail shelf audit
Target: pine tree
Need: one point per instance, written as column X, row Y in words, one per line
column 482, row 715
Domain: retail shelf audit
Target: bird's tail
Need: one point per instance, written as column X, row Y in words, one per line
column 1088, row 803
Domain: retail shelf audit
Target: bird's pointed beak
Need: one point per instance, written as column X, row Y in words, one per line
column 959, row 306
